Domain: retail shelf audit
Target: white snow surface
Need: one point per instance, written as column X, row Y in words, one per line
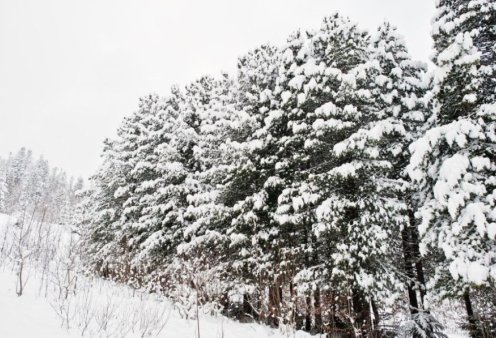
column 33, row 316
column 105, row 309
column 99, row 308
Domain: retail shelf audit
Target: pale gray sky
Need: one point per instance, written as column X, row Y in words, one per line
column 71, row 70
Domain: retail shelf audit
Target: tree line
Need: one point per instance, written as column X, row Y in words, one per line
column 331, row 184
column 32, row 190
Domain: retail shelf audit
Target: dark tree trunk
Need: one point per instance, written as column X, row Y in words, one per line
column 308, row 300
column 360, row 308
column 409, row 270
column 376, row 313
column 308, row 316
column 248, row 308
column 224, row 302
column 317, row 305
column 296, row 313
column 472, row 321
column 416, row 254
column 274, row 304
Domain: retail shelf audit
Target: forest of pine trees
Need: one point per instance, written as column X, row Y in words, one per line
column 331, row 184
column 33, row 191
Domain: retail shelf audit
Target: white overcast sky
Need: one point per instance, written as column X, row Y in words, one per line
column 71, row 70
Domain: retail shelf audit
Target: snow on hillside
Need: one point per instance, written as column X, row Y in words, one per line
column 57, row 301
column 110, row 311
column 93, row 307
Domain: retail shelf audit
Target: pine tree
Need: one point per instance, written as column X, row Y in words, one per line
column 17, row 167
column 454, row 162
column 402, row 91
column 335, row 121
column 114, row 211
column 247, row 188
column 156, row 201
column 32, row 190
column 101, row 227
column 208, row 216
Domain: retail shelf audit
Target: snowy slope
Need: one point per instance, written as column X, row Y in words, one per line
column 101, row 309
column 98, row 308
column 26, row 316
column 32, row 315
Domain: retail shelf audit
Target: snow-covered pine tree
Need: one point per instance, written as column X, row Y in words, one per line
column 206, row 247
column 57, row 195
column 114, row 207
column 328, row 100
column 37, row 189
column 454, row 162
column 32, row 190
column 303, row 87
column 157, row 203
column 17, row 168
column 250, row 189
column 101, row 226
column 74, row 195
column 402, row 91
column 366, row 137
column 168, row 218
column 463, row 33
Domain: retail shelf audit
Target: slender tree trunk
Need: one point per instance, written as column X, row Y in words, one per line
column 20, row 288
column 297, row 317
column 308, row 300
column 308, row 316
column 472, row 321
column 317, row 305
column 410, row 274
column 417, row 257
column 224, row 302
column 375, row 311
column 360, row 312
column 274, row 303
column 197, row 309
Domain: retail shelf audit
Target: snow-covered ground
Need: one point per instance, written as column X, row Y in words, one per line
column 93, row 307
column 110, row 311
column 26, row 316
column 59, row 302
